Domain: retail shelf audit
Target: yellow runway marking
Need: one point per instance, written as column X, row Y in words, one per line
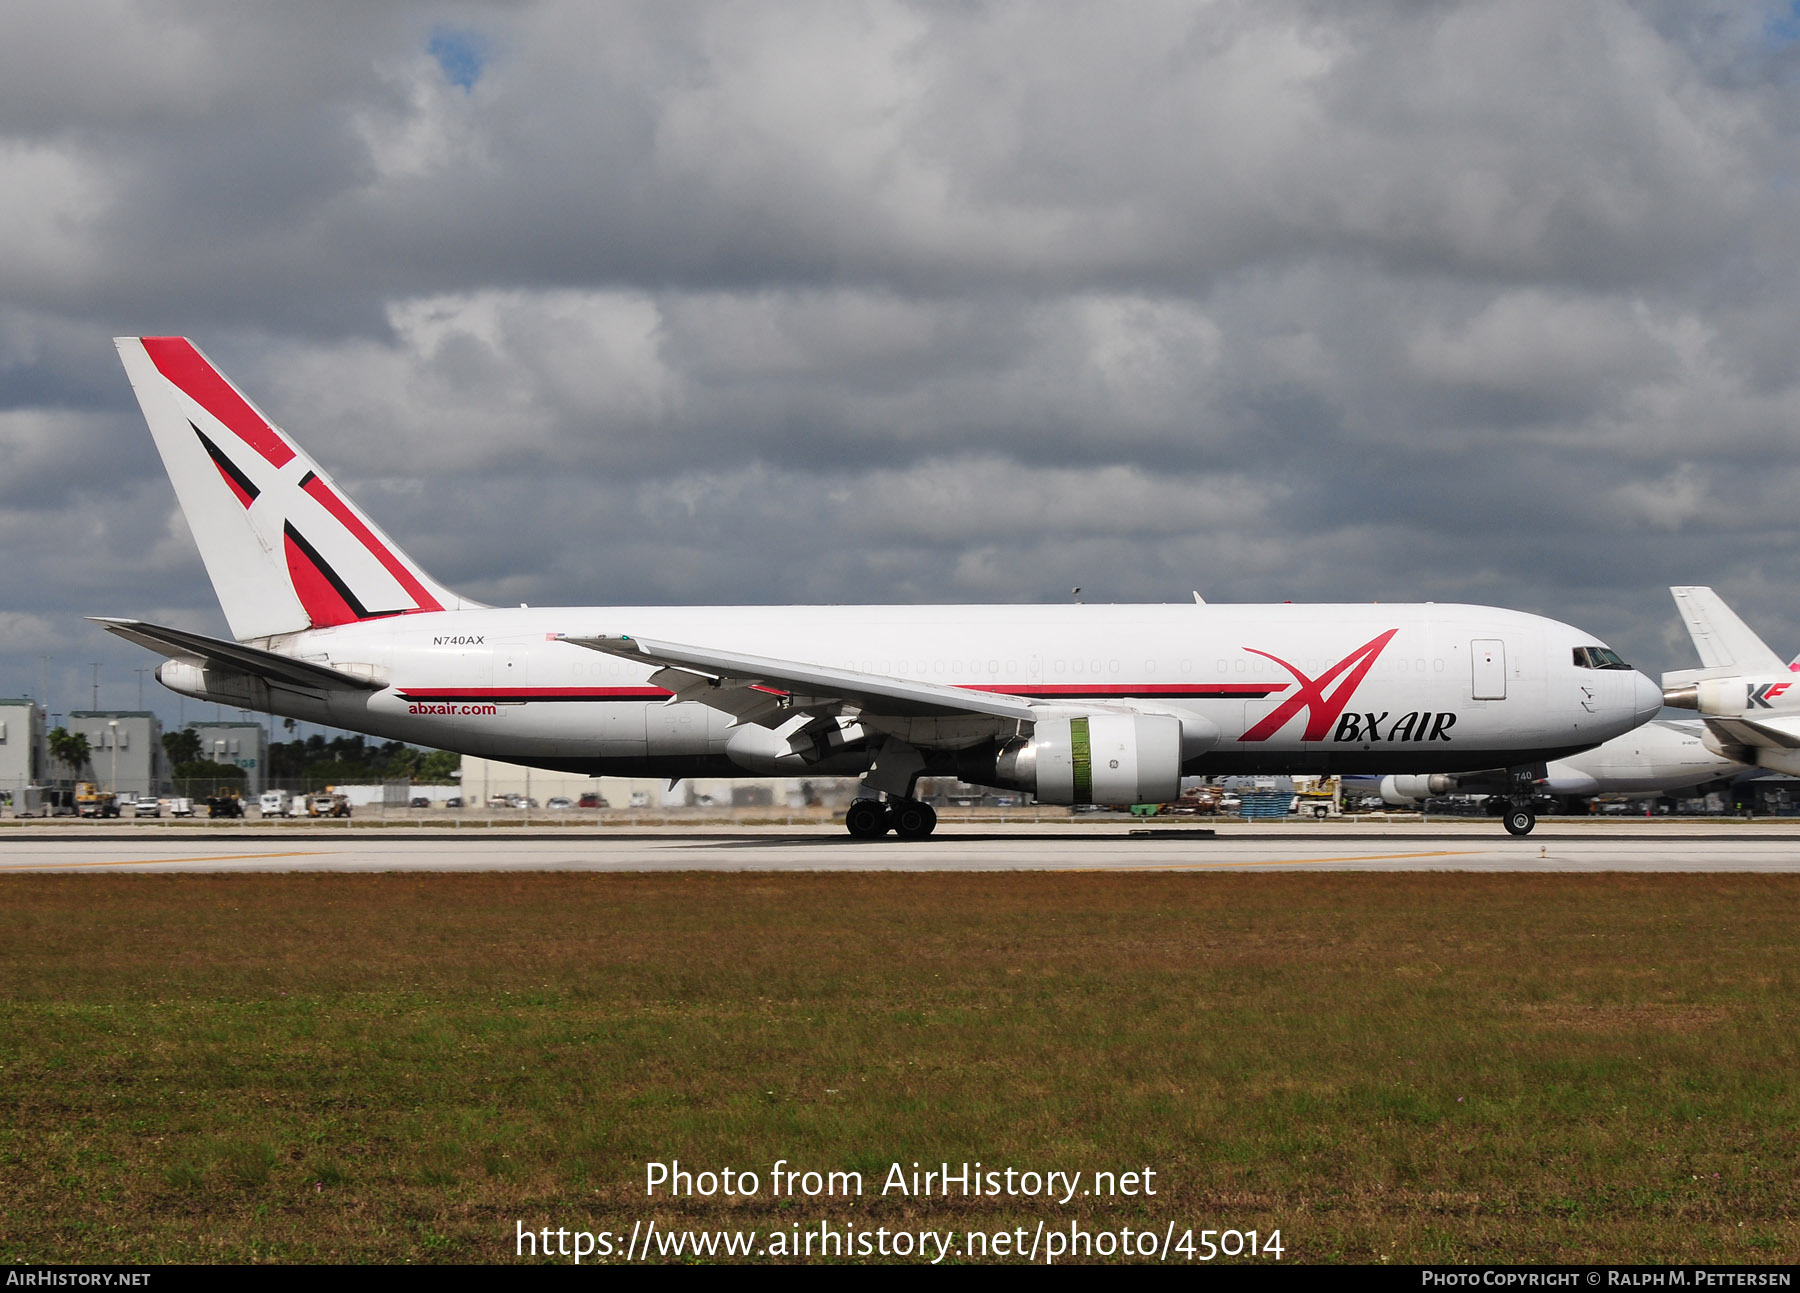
column 222, row 857
column 1370, row 857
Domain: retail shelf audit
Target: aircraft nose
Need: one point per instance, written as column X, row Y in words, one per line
column 1646, row 698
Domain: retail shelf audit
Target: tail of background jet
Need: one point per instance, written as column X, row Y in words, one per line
column 285, row 548
column 1726, row 644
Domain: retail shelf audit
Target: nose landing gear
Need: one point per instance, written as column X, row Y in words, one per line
column 1519, row 814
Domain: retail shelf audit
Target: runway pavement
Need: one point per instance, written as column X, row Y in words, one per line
column 1479, row 845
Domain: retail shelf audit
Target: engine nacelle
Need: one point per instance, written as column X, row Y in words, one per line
column 1400, row 791
column 1096, row 759
column 1750, row 696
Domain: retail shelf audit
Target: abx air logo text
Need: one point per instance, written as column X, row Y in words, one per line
column 1323, row 700
column 1414, row 726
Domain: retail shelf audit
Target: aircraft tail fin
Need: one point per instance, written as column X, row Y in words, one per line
column 285, row 548
column 1724, row 641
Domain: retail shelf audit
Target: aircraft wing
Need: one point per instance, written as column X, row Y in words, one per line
column 199, row 649
column 755, row 688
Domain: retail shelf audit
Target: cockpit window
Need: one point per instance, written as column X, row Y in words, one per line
column 1595, row 657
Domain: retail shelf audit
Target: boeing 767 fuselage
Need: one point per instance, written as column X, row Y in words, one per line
column 334, row 624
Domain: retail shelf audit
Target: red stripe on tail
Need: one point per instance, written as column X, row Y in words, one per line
column 176, row 359
column 324, row 605
column 236, row 488
column 349, row 520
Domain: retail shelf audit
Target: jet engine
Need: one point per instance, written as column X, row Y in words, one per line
column 1738, row 695
column 1400, row 791
column 1096, row 759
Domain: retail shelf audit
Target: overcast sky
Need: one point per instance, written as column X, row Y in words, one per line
column 691, row 302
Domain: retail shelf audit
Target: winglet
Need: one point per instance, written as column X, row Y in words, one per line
column 1723, row 640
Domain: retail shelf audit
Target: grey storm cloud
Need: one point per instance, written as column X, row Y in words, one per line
column 790, row 302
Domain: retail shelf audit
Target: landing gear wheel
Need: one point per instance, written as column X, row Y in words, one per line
column 1519, row 821
column 914, row 820
column 867, row 819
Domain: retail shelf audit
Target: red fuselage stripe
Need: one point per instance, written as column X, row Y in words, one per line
column 1122, row 690
column 535, row 693
column 1199, row 690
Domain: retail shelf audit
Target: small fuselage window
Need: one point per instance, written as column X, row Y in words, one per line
column 1594, row 657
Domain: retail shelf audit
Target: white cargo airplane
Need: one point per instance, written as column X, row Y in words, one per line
column 1747, row 696
column 1073, row 704
column 1662, row 756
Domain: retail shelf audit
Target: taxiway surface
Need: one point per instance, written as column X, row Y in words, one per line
column 1454, row 846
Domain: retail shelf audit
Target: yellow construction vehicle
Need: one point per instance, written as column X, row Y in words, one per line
column 91, row 801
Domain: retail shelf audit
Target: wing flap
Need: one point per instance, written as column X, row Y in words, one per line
column 796, row 685
column 199, row 649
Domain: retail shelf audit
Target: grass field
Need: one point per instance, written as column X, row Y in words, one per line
column 1405, row 1067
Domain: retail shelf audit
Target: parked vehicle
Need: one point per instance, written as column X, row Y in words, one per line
column 276, row 803
column 420, row 801
column 560, row 802
column 147, row 806
column 91, row 801
column 1196, row 801
column 591, row 800
column 181, row 806
column 1318, row 797
column 224, row 806
column 455, row 801
column 327, row 803
column 45, row 801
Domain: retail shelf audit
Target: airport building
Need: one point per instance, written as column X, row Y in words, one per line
column 125, row 753
column 24, row 751
column 238, row 745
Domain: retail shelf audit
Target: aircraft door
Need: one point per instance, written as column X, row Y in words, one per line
column 512, row 669
column 1487, row 658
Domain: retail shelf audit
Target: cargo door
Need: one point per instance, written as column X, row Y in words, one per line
column 1487, row 658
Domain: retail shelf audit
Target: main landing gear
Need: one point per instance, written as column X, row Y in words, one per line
column 870, row 819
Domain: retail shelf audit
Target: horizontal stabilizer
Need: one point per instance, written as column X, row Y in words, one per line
column 1758, row 733
column 199, row 649
column 1723, row 640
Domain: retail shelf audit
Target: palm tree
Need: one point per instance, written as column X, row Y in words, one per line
column 70, row 749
